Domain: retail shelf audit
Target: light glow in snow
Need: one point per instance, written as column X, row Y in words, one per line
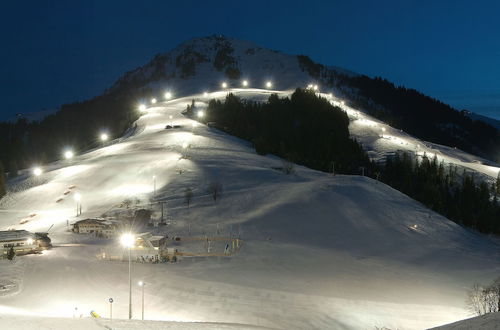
column 205, row 94
column 142, row 108
column 104, row 137
column 168, row 96
column 37, row 171
column 224, row 85
column 68, row 154
column 200, row 114
column 244, row 83
column 153, row 100
column 269, row 84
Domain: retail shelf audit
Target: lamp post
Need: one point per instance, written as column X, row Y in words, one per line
column 142, row 285
column 128, row 241
column 78, row 198
column 154, row 185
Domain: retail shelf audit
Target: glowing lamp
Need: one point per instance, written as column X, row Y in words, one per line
column 68, row 154
column 127, row 240
column 37, row 171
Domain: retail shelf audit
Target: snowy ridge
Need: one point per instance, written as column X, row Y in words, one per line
column 321, row 251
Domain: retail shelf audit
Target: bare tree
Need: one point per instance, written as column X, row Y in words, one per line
column 483, row 300
column 475, row 300
column 188, row 196
column 215, row 190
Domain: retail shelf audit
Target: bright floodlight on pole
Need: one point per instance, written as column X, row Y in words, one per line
column 153, row 100
column 37, row 171
column 224, row 85
column 269, row 84
column 128, row 241
column 245, row 83
column 142, row 108
column 68, row 154
column 200, row 114
column 168, row 95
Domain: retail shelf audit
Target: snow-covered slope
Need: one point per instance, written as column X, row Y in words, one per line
column 485, row 322
column 320, row 251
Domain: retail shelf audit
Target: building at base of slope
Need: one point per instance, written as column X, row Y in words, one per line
column 99, row 227
column 23, row 242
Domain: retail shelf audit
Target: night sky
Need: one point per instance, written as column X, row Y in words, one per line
column 55, row 52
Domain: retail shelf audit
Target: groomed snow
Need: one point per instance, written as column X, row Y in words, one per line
column 320, row 252
column 485, row 322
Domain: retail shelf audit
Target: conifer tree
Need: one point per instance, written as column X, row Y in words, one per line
column 3, row 189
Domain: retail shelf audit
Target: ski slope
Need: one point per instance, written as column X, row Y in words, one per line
column 320, row 252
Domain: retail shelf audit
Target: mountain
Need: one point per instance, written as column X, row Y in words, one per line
column 203, row 64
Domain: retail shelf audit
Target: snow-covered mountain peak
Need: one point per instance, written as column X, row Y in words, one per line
column 204, row 63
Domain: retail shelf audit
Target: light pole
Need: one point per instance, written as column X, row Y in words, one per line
column 154, row 185
column 128, row 241
column 78, row 198
column 142, row 284
column 111, row 309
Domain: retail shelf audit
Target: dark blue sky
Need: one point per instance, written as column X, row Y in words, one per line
column 54, row 52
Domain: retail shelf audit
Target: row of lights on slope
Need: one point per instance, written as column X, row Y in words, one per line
column 68, row 154
column 224, row 85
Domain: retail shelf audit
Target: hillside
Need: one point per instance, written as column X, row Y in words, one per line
column 319, row 251
column 204, row 64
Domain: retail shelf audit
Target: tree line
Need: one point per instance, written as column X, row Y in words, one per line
column 445, row 190
column 76, row 126
column 408, row 109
